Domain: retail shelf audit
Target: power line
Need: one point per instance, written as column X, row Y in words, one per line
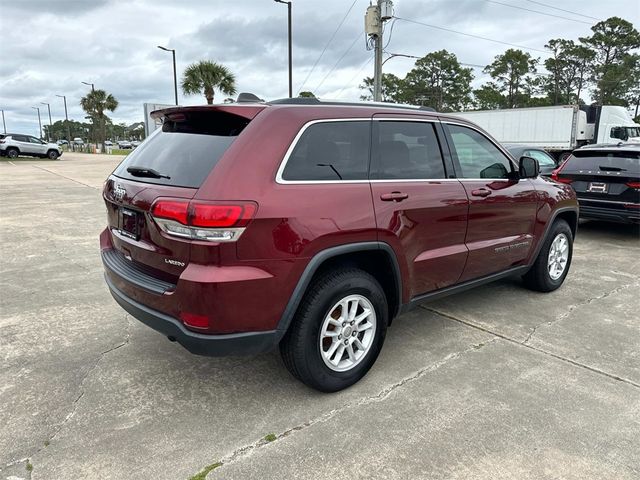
column 327, row 46
column 563, row 10
column 339, row 60
column 538, row 11
column 474, row 36
column 367, row 62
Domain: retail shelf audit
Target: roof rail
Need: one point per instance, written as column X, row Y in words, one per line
column 317, row 101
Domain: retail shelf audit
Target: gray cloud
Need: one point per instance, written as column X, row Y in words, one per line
column 53, row 46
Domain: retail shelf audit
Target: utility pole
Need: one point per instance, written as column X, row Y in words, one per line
column 50, row 124
column 373, row 20
column 175, row 75
column 39, row 122
column 4, row 125
column 66, row 117
column 288, row 4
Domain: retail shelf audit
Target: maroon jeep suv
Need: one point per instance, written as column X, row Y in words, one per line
column 310, row 225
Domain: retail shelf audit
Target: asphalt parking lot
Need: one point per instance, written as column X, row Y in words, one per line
column 495, row 383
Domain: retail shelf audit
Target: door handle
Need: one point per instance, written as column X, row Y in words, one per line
column 481, row 192
column 394, row 197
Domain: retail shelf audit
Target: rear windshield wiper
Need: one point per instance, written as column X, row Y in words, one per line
column 611, row 169
column 146, row 172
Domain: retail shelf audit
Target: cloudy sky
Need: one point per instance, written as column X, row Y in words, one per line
column 54, row 45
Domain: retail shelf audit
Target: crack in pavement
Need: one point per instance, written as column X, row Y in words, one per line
column 63, row 176
column 74, row 404
column 536, row 349
column 245, row 451
column 571, row 308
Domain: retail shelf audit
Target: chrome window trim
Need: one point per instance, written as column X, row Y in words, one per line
column 287, row 155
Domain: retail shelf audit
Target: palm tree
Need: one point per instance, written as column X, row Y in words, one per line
column 96, row 103
column 205, row 76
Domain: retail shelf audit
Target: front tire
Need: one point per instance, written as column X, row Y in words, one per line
column 52, row 154
column 552, row 264
column 338, row 331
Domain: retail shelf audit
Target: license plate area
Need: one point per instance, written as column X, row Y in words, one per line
column 598, row 187
column 128, row 223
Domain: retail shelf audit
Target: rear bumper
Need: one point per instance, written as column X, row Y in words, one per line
column 610, row 214
column 249, row 343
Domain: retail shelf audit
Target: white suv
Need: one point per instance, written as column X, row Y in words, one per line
column 14, row 144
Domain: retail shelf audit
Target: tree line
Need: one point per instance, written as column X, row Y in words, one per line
column 201, row 77
column 603, row 64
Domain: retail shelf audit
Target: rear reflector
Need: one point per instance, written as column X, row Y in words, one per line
column 635, row 185
column 193, row 320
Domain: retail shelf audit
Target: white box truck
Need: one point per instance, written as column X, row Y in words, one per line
column 558, row 129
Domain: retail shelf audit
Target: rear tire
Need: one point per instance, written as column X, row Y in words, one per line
column 52, row 154
column 562, row 157
column 552, row 264
column 12, row 153
column 338, row 330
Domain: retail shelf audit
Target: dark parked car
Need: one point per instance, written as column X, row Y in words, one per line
column 545, row 160
column 606, row 179
column 238, row 228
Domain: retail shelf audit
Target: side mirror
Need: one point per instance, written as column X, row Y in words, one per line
column 528, row 167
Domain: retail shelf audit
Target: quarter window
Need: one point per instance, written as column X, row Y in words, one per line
column 477, row 156
column 407, row 150
column 330, row 151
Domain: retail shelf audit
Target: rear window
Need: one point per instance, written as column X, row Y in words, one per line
column 330, row 151
column 185, row 149
column 621, row 161
column 407, row 150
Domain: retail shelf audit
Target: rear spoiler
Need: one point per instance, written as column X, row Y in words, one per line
column 245, row 111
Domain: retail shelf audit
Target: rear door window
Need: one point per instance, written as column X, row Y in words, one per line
column 185, row 149
column 330, row 151
column 407, row 150
column 627, row 162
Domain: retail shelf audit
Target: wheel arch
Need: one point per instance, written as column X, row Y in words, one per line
column 375, row 258
column 568, row 214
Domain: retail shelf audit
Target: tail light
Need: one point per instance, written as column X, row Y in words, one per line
column 555, row 174
column 211, row 222
column 635, row 185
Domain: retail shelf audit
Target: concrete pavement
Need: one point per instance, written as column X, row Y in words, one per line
column 498, row 382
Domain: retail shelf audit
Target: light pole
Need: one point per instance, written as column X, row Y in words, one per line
column 66, row 117
column 290, row 53
column 50, row 124
column 93, row 88
column 4, row 125
column 175, row 75
column 39, row 122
